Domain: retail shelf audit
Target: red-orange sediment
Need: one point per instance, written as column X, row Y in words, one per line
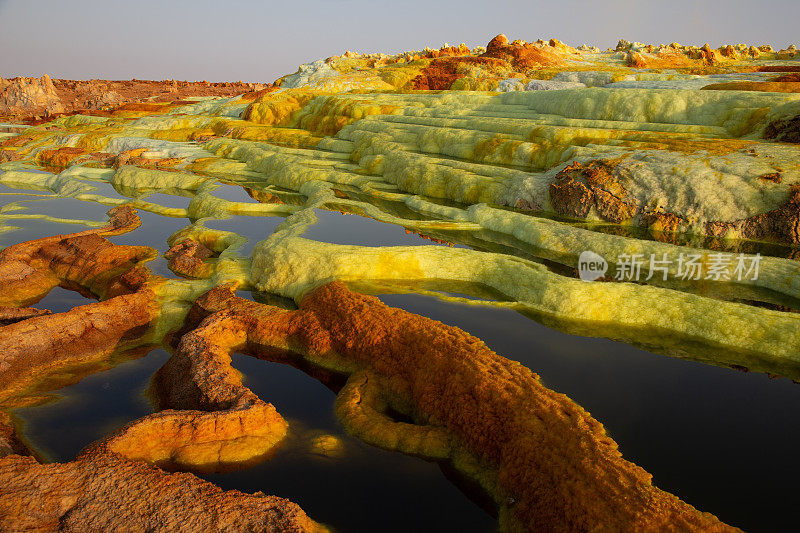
column 187, row 259
column 60, row 97
column 109, row 486
column 442, row 72
column 583, row 188
column 555, row 467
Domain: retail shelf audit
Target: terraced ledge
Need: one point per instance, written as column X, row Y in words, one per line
column 548, row 464
column 489, row 416
column 110, row 485
column 527, row 152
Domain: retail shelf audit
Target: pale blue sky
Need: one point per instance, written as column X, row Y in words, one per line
column 261, row 40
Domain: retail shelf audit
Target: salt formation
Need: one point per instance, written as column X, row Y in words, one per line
column 524, row 155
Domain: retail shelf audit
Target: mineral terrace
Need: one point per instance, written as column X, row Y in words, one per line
column 524, row 154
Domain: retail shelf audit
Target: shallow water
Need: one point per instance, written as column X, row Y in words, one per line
column 168, row 200
column 65, row 208
column 254, row 229
column 59, row 300
column 719, row 439
column 722, row 440
column 90, row 409
column 338, row 228
column 364, row 489
column 233, row 193
column 154, row 232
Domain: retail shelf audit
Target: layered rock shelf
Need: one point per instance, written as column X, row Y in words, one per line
column 509, row 161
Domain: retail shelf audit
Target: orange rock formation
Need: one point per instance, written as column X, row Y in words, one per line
column 34, row 98
column 109, row 486
column 547, row 462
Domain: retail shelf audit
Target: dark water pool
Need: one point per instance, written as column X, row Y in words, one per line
column 360, row 488
column 723, row 440
column 36, row 228
column 154, row 232
column 59, row 300
column 337, row 228
column 90, row 409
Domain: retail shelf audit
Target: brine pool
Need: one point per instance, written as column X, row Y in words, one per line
column 723, row 440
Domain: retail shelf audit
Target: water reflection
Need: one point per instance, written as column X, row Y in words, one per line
column 30, row 229
column 337, row 228
column 60, row 300
column 359, row 487
column 233, row 193
column 723, row 440
column 154, row 232
column 66, row 208
column 90, row 409
column 168, row 200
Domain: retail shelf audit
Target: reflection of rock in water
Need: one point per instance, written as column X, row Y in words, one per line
column 490, row 189
column 397, row 361
column 327, row 446
column 472, row 406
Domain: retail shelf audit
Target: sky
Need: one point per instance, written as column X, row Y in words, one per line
column 259, row 41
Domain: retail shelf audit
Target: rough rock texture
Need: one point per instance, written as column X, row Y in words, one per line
column 784, row 130
column 109, row 486
column 82, row 261
column 186, row 258
column 11, row 315
column 764, row 86
column 442, row 72
column 30, row 98
column 494, row 137
column 81, row 335
column 625, row 136
column 548, row 464
column 524, row 56
column 104, row 493
column 9, row 443
column 580, row 189
column 782, row 224
column 592, row 189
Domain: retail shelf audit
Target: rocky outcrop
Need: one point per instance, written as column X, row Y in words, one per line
column 85, row 261
column 469, row 406
column 350, row 134
column 592, row 190
column 212, row 421
column 784, row 130
column 29, row 96
column 186, row 258
column 523, row 56
column 547, row 463
column 579, row 190
column 635, row 60
column 102, row 493
column 33, row 98
column 781, row 224
column 11, row 315
column 442, row 72
column 762, row 86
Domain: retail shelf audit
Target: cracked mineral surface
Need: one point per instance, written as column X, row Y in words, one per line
column 400, row 239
